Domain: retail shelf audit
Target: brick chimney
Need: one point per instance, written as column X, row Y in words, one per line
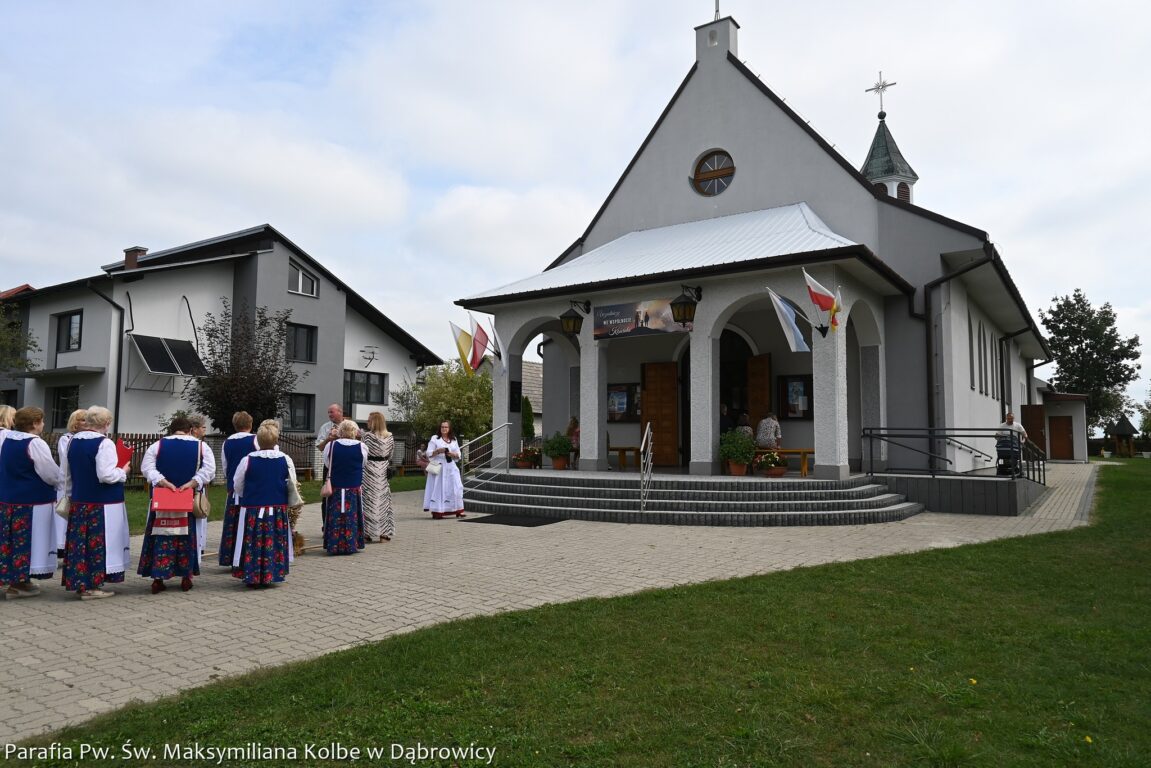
column 132, row 256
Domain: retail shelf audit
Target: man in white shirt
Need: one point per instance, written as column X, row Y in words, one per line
column 1008, row 426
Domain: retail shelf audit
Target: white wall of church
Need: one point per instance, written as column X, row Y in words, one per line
column 776, row 161
column 972, row 389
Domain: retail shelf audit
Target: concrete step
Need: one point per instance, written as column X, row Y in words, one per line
column 887, row 514
column 747, row 502
column 684, row 500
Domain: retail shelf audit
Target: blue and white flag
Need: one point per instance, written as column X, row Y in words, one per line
column 786, row 314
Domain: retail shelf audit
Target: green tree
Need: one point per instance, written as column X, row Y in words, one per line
column 1093, row 360
column 527, row 420
column 15, row 344
column 451, row 393
column 246, row 357
column 405, row 404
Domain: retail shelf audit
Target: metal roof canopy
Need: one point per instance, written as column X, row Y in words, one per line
column 723, row 244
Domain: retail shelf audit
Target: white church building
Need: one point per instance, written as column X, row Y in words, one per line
column 730, row 194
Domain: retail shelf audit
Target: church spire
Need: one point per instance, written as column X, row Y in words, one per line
column 885, row 166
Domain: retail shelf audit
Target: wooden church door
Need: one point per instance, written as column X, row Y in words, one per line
column 659, row 404
column 758, row 388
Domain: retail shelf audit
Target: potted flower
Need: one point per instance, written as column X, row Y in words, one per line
column 770, row 463
column 558, row 448
column 527, row 458
column 737, row 449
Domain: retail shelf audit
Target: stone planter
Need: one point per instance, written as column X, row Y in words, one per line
column 1146, row 454
column 1107, row 454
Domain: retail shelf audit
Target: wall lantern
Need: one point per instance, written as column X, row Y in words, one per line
column 572, row 321
column 683, row 308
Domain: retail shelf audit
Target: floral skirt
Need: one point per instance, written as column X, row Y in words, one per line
column 165, row 557
column 344, row 522
column 265, row 550
column 16, row 542
column 228, row 537
column 86, row 556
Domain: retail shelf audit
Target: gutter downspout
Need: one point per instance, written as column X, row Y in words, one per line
column 930, row 335
column 119, row 355
column 1003, row 373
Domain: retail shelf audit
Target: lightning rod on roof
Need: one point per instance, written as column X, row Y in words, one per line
column 717, row 10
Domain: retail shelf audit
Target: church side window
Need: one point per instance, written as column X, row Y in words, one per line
column 970, row 351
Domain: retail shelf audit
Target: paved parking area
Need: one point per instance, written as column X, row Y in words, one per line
column 68, row 660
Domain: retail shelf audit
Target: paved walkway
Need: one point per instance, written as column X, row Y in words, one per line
column 69, row 660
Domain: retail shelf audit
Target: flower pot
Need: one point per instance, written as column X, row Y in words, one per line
column 559, row 462
column 737, row 470
column 776, row 471
column 1107, row 454
column 523, row 465
column 1147, row 454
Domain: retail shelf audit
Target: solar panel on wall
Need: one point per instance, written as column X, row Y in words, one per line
column 156, row 355
column 186, row 357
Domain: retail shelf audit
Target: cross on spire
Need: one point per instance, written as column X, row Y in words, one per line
column 880, row 86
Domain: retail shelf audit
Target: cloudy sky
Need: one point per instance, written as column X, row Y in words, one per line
column 426, row 150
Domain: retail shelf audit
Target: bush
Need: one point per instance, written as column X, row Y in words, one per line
column 736, row 446
column 558, row 445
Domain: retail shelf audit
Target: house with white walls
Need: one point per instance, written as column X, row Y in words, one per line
column 129, row 336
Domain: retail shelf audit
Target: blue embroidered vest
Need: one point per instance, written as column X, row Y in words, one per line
column 347, row 466
column 86, row 485
column 19, row 483
column 266, row 482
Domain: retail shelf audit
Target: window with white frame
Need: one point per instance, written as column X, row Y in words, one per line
column 302, row 281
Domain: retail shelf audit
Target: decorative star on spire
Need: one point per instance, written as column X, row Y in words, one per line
column 880, row 86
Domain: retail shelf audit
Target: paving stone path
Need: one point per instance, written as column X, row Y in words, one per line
column 69, row 660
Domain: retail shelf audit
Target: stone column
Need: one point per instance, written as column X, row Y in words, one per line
column 593, row 401
column 506, row 441
column 704, row 438
column 829, row 371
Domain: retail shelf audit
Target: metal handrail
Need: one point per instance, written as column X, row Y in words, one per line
column 473, row 468
column 645, row 464
column 1028, row 459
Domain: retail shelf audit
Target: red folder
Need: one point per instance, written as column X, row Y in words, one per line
column 124, row 455
column 171, row 501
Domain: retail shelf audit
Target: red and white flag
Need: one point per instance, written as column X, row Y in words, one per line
column 824, row 299
column 479, row 344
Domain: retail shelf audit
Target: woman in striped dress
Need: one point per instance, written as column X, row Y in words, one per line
column 96, row 548
column 345, row 458
column 28, row 480
column 264, row 549
column 238, row 445
column 378, row 520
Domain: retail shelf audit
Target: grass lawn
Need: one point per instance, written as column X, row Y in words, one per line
column 137, row 500
column 1023, row 652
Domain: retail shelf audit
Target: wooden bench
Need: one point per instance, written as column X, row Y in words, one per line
column 623, row 451
column 803, row 453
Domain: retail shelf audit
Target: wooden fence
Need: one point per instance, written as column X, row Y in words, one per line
column 300, row 446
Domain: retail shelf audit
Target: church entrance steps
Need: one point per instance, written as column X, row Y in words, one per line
column 686, row 500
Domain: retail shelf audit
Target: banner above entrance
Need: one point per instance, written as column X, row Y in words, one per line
column 641, row 318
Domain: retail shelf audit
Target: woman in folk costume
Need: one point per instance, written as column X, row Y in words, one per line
column 199, row 429
column 7, row 414
column 175, row 462
column 262, row 482
column 28, row 480
column 238, row 445
column 444, row 491
column 345, row 458
column 378, row 519
column 96, row 546
column 60, row 524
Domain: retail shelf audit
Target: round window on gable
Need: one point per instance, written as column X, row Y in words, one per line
column 713, row 173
